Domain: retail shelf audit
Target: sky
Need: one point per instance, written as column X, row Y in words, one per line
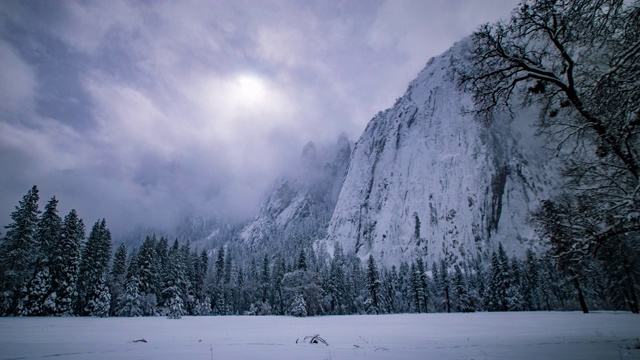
column 148, row 112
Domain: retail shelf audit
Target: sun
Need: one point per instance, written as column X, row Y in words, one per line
column 250, row 89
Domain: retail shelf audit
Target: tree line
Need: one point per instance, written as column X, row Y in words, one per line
column 49, row 268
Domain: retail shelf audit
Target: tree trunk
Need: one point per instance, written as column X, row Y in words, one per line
column 446, row 295
column 583, row 303
column 633, row 298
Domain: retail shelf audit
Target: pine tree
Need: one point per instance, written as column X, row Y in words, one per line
column 39, row 300
column 18, row 252
column 494, row 295
column 391, row 284
column 228, row 266
column 175, row 282
column 201, row 264
column 298, row 306
column 117, row 277
column 514, row 295
column 188, row 296
column 499, row 282
column 129, row 302
column 302, row 261
column 48, row 233
column 280, row 269
column 66, row 263
column 99, row 299
column 147, row 272
column 404, row 288
column 42, row 288
column 162, row 263
column 146, row 266
column 445, row 284
column 530, row 282
column 175, row 306
column 373, row 286
column 220, row 273
column 265, row 279
column 477, row 281
column 336, row 286
column 93, row 266
column 460, row 293
column 423, row 285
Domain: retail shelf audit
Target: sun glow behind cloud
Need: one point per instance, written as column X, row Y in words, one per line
column 235, row 108
column 249, row 90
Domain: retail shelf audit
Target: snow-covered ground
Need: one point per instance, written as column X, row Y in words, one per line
column 539, row 335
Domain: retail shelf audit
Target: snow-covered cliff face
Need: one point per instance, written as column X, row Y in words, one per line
column 298, row 207
column 425, row 179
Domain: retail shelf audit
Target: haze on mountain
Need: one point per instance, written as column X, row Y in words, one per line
column 149, row 113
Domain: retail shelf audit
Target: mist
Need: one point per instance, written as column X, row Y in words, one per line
column 147, row 113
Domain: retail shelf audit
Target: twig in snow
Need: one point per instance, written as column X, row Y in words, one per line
column 363, row 339
column 314, row 339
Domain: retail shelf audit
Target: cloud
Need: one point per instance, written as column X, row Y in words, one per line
column 17, row 82
column 144, row 112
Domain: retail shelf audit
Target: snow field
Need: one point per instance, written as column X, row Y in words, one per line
column 524, row 335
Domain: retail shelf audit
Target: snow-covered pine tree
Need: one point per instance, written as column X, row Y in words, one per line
column 188, row 295
column 309, row 285
column 336, row 287
column 175, row 305
column 17, row 252
column 66, row 264
column 48, row 233
column 117, row 277
column 499, row 282
column 202, row 306
column 99, row 299
column 531, row 296
column 404, row 287
column 476, row 280
column 147, row 272
column 220, row 273
column 423, row 285
column 298, row 306
column 445, row 283
column 201, row 265
column 93, row 266
column 373, row 287
column 39, row 300
column 302, row 261
column 390, row 284
column 279, row 269
column 174, row 283
column 514, row 292
column 129, row 302
column 495, row 294
column 265, row 277
column 119, row 266
column 461, row 301
column 228, row 268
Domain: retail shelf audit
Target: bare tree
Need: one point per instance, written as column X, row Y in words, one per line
column 579, row 61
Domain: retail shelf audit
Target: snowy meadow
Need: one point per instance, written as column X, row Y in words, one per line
column 514, row 335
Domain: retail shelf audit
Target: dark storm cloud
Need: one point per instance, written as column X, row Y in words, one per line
column 144, row 112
